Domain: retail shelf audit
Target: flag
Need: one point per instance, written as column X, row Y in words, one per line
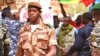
column 70, row 1
column 87, row 2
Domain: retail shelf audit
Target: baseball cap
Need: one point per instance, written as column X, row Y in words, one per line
column 96, row 6
column 34, row 4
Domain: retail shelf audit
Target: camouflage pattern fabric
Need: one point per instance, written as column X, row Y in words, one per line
column 95, row 36
column 4, row 39
column 95, row 40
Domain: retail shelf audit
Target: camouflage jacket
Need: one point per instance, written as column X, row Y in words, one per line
column 95, row 36
column 4, row 37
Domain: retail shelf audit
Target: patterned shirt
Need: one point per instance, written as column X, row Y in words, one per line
column 34, row 40
column 4, row 38
column 13, row 28
column 69, row 39
column 95, row 36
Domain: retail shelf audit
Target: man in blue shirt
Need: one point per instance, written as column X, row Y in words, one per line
column 81, row 44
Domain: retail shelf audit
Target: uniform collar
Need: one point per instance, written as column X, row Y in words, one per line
column 41, row 25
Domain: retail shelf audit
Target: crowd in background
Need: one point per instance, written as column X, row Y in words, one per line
column 73, row 38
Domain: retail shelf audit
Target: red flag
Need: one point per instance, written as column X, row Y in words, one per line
column 87, row 2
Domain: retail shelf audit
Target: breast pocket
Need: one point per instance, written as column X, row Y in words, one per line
column 71, row 38
column 43, row 40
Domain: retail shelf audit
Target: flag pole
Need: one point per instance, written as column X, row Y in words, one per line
column 62, row 9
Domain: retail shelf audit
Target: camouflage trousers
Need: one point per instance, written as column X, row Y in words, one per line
column 4, row 49
column 1, row 51
column 95, row 51
column 1, row 48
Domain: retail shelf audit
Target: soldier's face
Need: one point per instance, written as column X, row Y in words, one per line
column 33, row 14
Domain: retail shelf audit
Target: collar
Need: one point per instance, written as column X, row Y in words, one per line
column 41, row 25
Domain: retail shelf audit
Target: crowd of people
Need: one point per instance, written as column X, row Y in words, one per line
column 35, row 38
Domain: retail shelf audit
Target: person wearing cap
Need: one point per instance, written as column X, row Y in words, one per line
column 95, row 34
column 81, row 44
column 35, row 37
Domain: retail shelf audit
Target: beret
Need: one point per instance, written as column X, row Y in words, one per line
column 34, row 4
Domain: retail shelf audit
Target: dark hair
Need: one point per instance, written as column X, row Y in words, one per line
column 56, row 21
column 6, row 12
column 87, row 15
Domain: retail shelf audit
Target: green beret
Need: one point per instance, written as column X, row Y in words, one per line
column 96, row 6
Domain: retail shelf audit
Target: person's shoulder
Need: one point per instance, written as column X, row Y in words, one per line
column 49, row 28
column 47, row 25
column 3, row 27
column 82, row 26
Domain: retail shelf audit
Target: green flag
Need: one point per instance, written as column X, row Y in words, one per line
column 69, row 1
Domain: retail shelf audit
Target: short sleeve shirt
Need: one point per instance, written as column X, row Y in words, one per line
column 36, row 42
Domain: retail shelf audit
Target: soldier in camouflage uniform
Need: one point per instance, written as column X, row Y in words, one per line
column 4, row 35
column 95, row 34
column 4, row 40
